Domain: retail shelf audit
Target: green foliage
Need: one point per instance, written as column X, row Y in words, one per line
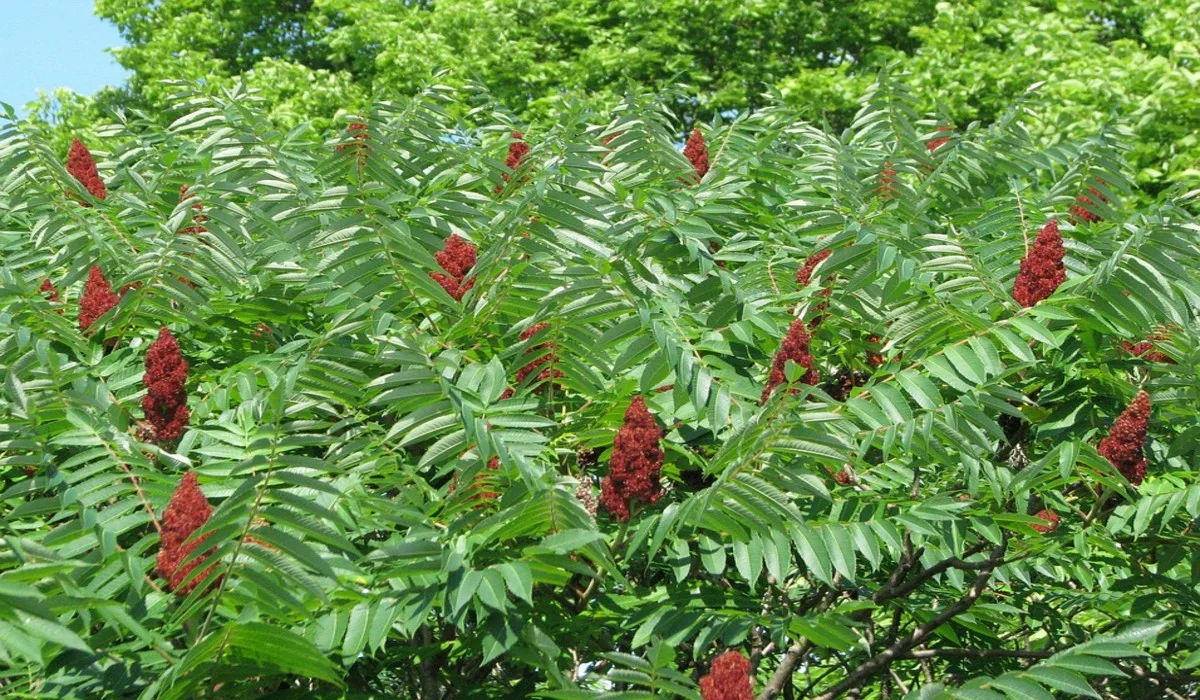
column 969, row 61
column 328, row 438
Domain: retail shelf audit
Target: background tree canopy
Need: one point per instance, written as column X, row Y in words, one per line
column 1135, row 60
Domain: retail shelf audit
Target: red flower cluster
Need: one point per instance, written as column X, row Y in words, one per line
column 48, row 290
column 728, row 678
column 456, row 257
column 933, row 144
column 186, row 513
column 1123, row 446
column 874, row 359
column 804, row 276
column 517, row 150
column 636, row 463
column 81, row 165
column 546, row 358
column 198, row 218
column 1051, row 519
column 478, row 485
column 887, row 177
column 165, row 402
column 1147, row 350
column 794, row 348
column 1042, row 270
column 844, row 477
column 696, row 151
column 97, row 299
column 1080, row 211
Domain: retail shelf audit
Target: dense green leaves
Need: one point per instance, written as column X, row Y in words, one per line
column 389, row 518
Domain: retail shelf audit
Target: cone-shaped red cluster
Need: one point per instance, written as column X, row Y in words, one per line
column 1080, row 211
column 1051, row 519
column 933, row 144
column 1123, row 446
column 804, row 276
column 886, row 180
column 874, row 359
column 97, row 299
column 696, row 151
column 547, row 356
column 1042, row 270
column 728, row 678
column 479, row 485
column 358, row 134
column 636, row 463
column 1147, row 350
column 456, row 257
column 186, row 513
column 49, row 291
column 81, row 165
column 198, row 218
column 794, row 348
column 165, row 402
column 517, row 150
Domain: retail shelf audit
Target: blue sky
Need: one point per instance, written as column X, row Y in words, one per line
column 54, row 43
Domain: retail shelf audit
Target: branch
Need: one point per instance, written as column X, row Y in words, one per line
column 882, row 660
column 792, row 657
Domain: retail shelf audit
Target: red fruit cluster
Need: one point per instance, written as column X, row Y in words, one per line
column 186, row 513
column 456, row 257
column 794, row 348
column 198, row 218
column 1080, row 211
column 517, row 150
column 933, row 144
column 636, row 463
column 874, row 359
column 886, row 180
column 546, row 358
column 81, row 165
column 804, row 276
column 844, row 477
column 1042, row 270
column 478, row 485
column 696, row 151
column 98, row 298
column 728, row 678
column 1147, row 350
column 358, row 134
column 48, row 290
column 165, row 402
column 1123, row 446
column 1051, row 519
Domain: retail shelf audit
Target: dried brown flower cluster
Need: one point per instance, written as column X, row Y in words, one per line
column 185, row 514
column 636, row 463
column 1042, row 270
column 456, row 257
column 1123, row 446
column 728, row 678
column 795, row 347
